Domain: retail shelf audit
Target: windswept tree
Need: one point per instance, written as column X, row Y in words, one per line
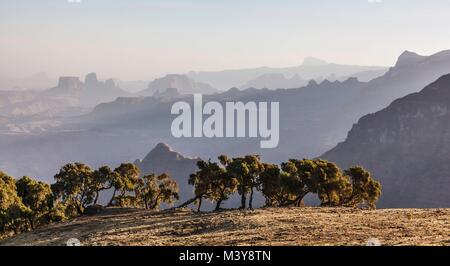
column 200, row 180
column 102, row 179
column 318, row 177
column 365, row 190
column 38, row 197
column 154, row 190
column 222, row 184
column 274, row 185
column 125, row 180
column 246, row 170
column 212, row 182
column 299, row 180
column 332, row 186
column 74, row 186
column 13, row 212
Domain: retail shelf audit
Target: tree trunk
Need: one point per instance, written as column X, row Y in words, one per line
column 250, row 202
column 243, row 200
column 31, row 223
column 199, row 204
column 112, row 198
column 219, row 202
column 188, row 202
column 79, row 209
column 296, row 202
column 96, row 197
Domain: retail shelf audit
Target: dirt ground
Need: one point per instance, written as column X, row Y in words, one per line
column 267, row 227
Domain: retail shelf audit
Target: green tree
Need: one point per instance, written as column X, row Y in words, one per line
column 38, row 197
column 299, row 180
column 201, row 180
column 246, row 171
column 102, row 179
column 222, row 184
column 211, row 182
column 124, row 181
column 315, row 176
column 274, row 185
column 365, row 189
column 13, row 212
column 154, row 190
column 332, row 186
column 74, row 186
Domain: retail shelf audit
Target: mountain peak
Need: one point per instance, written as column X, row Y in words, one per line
column 162, row 147
column 162, row 153
column 408, row 57
column 312, row 83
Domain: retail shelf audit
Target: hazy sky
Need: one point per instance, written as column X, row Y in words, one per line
column 141, row 39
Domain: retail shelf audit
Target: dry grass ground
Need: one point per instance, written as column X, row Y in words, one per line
column 283, row 226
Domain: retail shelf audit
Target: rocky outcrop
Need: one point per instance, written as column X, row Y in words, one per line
column 91, row 81
column 70, row 84
column 407, row 147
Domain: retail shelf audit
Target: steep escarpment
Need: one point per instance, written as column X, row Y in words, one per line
column 407, row 147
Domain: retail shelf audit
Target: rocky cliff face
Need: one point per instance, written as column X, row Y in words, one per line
column 407, row 147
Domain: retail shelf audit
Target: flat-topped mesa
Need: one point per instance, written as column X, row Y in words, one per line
column 70, row 84
column 91, row 81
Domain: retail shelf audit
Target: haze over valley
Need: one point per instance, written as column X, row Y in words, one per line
column 360, row 82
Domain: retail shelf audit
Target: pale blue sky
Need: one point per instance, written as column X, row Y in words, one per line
column 140, row 39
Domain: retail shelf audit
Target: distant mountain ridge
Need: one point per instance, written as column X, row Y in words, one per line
column 407, row 147
column 182, row 83
column 70, row 92
column 311, row 68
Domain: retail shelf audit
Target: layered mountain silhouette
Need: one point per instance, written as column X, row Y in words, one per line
column 406, row 146
column 31, row 111
column 313, row 120
column 311, row 68
column 31, row 102
column 70, row 92
column 307, row 118
column 411, row 73
column 182, row 83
